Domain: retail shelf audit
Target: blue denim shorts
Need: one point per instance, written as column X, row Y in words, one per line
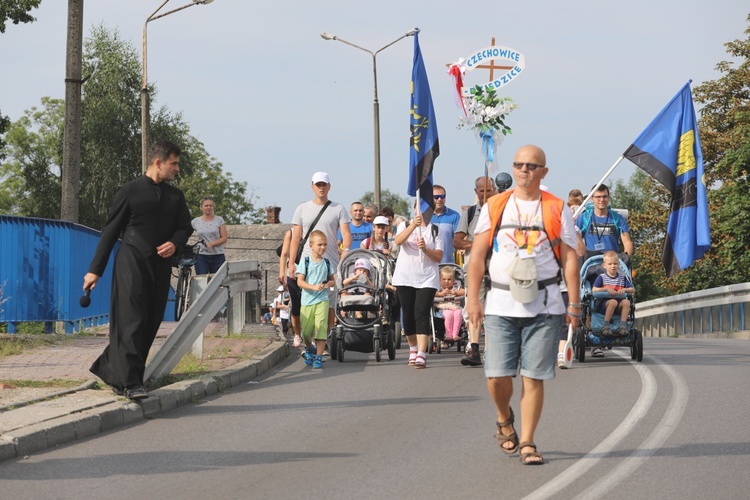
column 525, row 344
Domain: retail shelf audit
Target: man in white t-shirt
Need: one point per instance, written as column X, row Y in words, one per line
column 529, row 236
column 333, row 219
column 484, row 188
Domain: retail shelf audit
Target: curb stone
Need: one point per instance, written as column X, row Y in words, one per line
column 77, row 423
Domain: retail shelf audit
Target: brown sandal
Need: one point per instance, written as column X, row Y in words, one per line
column 502, row 438
column 533, row 454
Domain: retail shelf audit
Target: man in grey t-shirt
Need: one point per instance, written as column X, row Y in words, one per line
column 484, row 187
column 334, row 218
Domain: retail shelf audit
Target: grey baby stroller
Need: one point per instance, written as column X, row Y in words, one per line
column 362, row 310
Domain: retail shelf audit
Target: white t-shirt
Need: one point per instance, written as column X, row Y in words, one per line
column 208, row 231
column 505, row 248
column 283, row 313
column 409, row 270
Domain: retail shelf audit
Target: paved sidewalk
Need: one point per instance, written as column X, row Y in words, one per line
column 32, row 419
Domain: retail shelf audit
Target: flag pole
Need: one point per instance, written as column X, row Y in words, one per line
column 419, row 212
column 609, row 172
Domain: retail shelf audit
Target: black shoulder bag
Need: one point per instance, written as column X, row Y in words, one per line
column 312, row 226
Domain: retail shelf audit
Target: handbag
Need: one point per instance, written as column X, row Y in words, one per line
column 312, row 226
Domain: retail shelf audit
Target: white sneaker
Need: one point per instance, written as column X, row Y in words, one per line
column 297, row 341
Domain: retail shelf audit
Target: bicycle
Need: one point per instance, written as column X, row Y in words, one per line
column 184, row 262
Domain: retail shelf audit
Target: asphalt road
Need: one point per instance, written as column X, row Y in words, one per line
column 674, row 426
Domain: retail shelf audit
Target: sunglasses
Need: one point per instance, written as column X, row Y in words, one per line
column 531, row 166
column 438, row 196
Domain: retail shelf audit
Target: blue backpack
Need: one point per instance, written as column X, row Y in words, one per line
column 587, row 215
column 328, row 267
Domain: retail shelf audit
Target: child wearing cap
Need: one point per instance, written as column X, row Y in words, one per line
column 378, row 241
column 361, row 275
column 281, row 308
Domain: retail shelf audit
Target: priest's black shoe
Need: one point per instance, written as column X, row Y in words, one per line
column 135, row 393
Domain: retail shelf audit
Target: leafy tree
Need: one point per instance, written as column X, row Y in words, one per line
column 111, row 146
column 725, row 139
column 4, row 126
column 32, row 177
column 398, row 204
column 17, row 11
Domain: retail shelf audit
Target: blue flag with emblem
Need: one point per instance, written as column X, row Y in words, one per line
column 670, row 151
column 424, row 146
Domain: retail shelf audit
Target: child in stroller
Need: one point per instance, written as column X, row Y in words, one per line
column 451, row 294
column 447, row 313
column 601, row 295
column 617, row 285
column 362, row 306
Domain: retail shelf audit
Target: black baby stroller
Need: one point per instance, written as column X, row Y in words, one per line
column 589, row 334
column 362, row 311
column 438, row 339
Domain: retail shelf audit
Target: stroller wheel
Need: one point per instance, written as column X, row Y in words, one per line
column 580, row 344
column 390, row 344
column 332, row 344
column 397, row 333
column 636, row 348
column 377, row 341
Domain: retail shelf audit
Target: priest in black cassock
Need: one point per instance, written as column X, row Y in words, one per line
column 153, row 220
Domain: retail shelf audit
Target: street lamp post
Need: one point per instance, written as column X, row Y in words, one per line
column 145, row 118
column 375, row 104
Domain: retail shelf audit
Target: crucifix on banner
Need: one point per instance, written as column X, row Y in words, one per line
column 483, row 110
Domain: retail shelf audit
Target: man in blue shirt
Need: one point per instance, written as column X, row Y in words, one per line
column 446, row 221
column 604, row 229
column 359, row 228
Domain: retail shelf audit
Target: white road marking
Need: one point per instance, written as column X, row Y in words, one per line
column 653, row 442
column 639, row 410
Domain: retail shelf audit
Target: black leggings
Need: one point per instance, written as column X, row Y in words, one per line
column 416, row 307
column 295, row 296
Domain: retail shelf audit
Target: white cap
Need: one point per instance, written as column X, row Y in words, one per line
column 320, row 177
column 362, row 263
column 543, row 187
column 380, row 219
column 280, row 289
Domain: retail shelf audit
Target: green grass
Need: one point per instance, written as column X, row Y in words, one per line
column 41, row 384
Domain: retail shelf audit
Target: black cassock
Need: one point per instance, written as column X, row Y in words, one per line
column 145, row 214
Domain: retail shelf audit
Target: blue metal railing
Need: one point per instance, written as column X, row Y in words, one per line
column 42, row 264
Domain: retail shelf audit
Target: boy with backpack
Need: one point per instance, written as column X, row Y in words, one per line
column 314, row 277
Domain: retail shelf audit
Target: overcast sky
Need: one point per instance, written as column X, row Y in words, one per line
column 274, row 102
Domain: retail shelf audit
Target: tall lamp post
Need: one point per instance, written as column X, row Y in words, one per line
column 375, row 105
column 145, row 118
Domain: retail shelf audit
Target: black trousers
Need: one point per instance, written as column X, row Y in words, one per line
column 416, row 307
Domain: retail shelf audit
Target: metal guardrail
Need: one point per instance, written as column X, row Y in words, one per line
column 228, row 286
column 716, row 310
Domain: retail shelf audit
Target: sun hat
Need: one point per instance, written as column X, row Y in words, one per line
column 362, row 264
column 380, row 219
column 320, row 177
column 523, row 284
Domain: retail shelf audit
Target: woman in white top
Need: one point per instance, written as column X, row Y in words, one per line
column 417, row 278
column 211, row 229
